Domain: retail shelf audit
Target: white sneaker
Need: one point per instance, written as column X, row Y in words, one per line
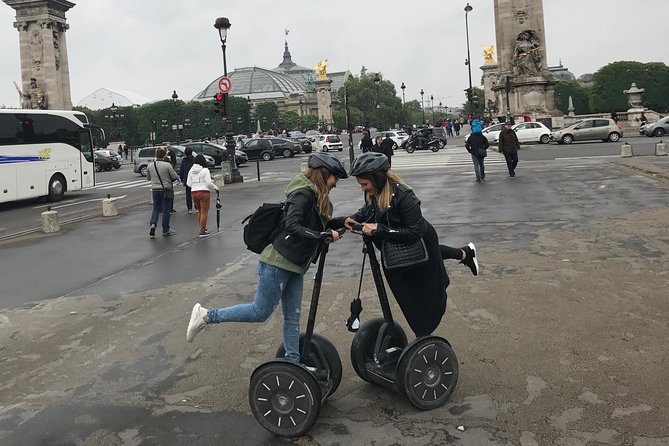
column 196, row 323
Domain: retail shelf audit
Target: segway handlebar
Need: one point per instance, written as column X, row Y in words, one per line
column 327, row 236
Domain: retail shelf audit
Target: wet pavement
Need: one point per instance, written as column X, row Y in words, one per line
column 561, row 339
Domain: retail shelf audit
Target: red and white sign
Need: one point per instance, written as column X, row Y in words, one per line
column 224, row 84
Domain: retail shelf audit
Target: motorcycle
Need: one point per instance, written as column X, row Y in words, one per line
column 414, row 143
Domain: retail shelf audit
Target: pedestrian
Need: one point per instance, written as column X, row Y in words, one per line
column 477, row 145
column 392, row 213
column 643, row 119
column 614, row 116
column 387, row 147
column 162, row 175
column 199, row 180
column 120, row 149
column 456, row 127
column 186, row 164
column 125, row 150
column 509, row 146
column 284, row 262
column 366, row 143
column 172, row 159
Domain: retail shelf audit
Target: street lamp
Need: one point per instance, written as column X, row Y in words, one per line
column 422, row 104
column 404, row 105
column 468, row 9
column 114, row 117
column 432, row 105
column 440, row 110
column 377, row 81
column 175, row 96
column 248, row 102
column 222, row 24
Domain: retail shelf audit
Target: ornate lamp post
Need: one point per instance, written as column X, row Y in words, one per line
column 114, row 117
column 440, row 110
column 222, row 24
column 377, row 82
column 175, row 96
column 248, row 102
column 422, row 104
column 432, row 105
column 404, row 105
column 468, row 9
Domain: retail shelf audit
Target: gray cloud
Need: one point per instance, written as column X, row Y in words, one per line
column 152, row 47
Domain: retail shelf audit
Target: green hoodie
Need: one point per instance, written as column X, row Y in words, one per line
column 270, row 255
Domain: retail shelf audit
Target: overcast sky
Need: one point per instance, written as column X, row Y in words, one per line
column 152, row 47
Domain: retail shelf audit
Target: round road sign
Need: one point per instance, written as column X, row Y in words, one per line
column 224, row 84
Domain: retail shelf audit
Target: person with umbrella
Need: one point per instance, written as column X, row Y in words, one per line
column 199, row 180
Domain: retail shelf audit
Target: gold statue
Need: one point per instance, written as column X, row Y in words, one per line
column 488, row 52
column 321, row 68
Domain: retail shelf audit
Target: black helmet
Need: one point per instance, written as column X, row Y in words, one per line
column 369, row 162
column 329, row 161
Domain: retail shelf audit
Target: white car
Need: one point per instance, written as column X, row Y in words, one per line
column 398, row 137
column 529, row 132
column 491, row 133
column 328, row 142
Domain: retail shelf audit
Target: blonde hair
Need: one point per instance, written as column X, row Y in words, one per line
column 319, row 176
column 387, row 181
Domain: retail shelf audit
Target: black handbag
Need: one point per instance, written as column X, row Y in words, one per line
column 168, row 191
column 403, row 255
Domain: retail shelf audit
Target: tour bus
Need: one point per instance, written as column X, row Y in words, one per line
column 45, row 153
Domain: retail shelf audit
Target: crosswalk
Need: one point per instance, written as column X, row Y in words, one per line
column 126, row 184
column 458, row 156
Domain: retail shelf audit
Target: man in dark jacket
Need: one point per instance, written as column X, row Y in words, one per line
column 186, row 164
column 387, row 146
column 477, row 145
column 509, row 145
column 366, row 144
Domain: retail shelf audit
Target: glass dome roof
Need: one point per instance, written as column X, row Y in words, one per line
column 256, row 83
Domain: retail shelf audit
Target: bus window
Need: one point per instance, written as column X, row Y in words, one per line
column 86, row 144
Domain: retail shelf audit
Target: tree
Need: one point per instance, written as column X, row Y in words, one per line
column 610, row 81
column 362, row 101
column 268, row 115
column 477, row 106
column 580, row 96
column 290, row 120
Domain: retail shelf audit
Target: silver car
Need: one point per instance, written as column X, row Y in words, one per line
column 589, row 129
column 659, row 128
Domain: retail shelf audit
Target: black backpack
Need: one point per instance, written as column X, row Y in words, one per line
column 263, row 225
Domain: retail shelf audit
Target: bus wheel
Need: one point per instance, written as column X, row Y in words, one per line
column 56, row 187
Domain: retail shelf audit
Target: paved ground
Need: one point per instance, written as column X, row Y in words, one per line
column 561, row 340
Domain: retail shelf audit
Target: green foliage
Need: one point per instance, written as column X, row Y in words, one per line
column 580, row 96
column 268, row 115
column 477, row 107
column 362, row 101
column 610, row 81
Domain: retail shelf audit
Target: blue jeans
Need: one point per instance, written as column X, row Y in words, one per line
column 275, row 284
column 161, row 204
column 479, row 168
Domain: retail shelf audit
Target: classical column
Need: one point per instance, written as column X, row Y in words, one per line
column 41, row 26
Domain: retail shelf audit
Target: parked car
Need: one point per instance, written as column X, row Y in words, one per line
column 285, row 147
column 589, row 129
column 104, row 161
column 659, row 128
column 112, row 154
column 258, row 148
column 326, row 143
column 398, row 137
column 528, row 132
column 147, row 155
column 491, row 133
column 218, row 152
column 305, row 143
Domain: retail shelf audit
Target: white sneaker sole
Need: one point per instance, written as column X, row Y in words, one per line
column 195, row 317
column 476, row 263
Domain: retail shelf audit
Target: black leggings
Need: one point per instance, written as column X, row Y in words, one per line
column 448, row 252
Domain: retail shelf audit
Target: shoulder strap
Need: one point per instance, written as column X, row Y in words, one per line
column 155, row 166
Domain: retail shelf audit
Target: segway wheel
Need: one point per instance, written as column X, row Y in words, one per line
column 323, row 356
column 428, row 373
column 284, row 398
column 364, row 341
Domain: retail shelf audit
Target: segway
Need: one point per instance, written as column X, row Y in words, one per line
column 425, row 370
column 286, row 396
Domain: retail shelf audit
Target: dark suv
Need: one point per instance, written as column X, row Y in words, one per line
column 285, row 147
column 258, row 148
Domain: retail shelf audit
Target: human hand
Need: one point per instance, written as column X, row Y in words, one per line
column 369, row 228
column 349, row 222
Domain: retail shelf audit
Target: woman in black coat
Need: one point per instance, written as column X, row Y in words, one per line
column 392, row 212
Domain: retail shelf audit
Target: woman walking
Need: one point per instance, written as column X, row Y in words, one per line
column 477, row 145
column 284, row 262
column 392, row 213
column 199, row 181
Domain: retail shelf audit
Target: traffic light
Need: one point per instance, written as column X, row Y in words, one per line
column 218, row 103
column 469, row 93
